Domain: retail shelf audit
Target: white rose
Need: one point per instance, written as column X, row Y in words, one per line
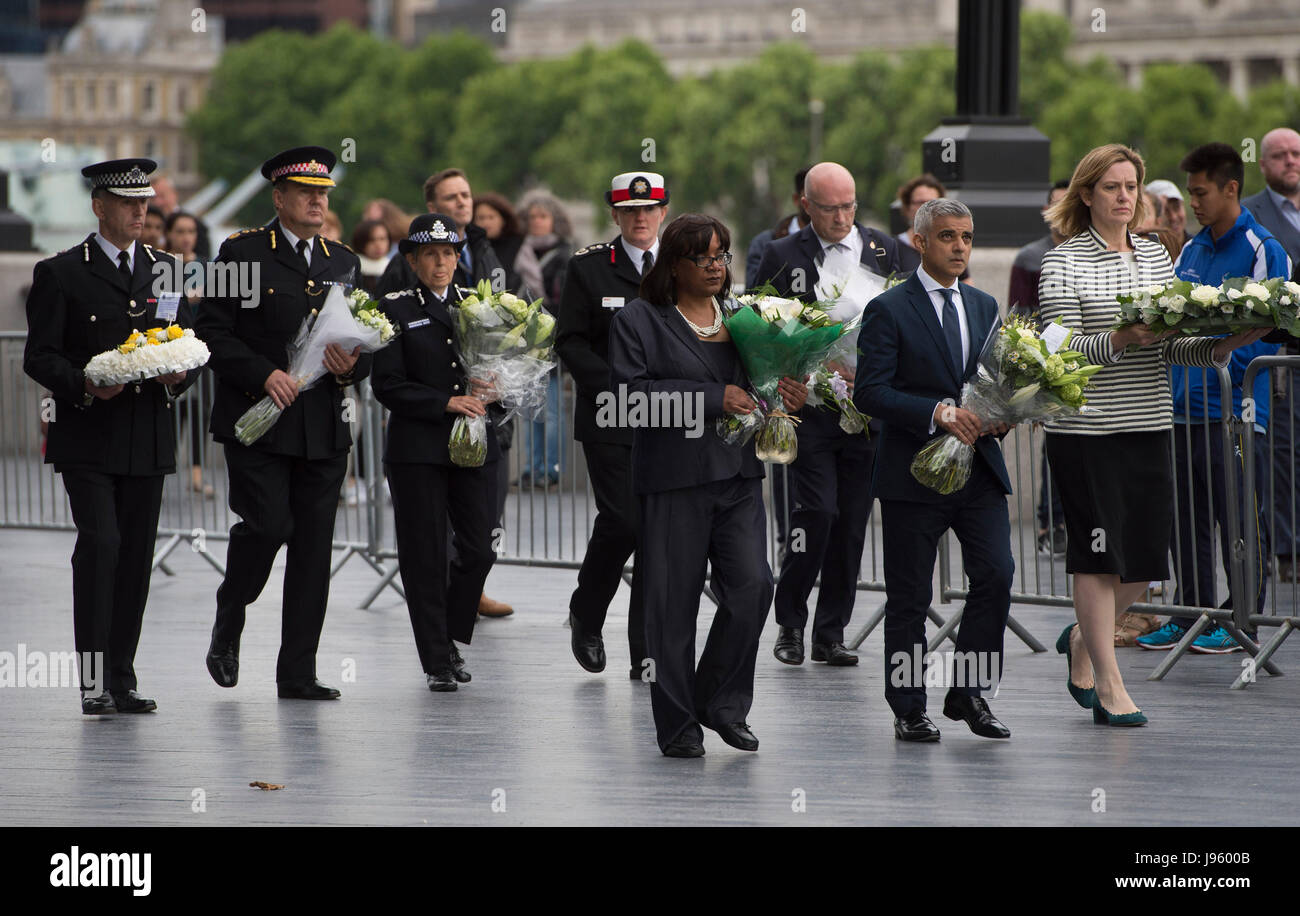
column 1173, row 304
column 1155, row 289
column 1235, row 294
column 1292, row 288
column 1205, row 295
column 1257, row 290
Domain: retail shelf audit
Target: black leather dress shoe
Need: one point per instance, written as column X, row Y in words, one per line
column 789, row 646
column 458, row 669
column 684, row 747
column 738, row 735
column 443, row 681
column 223, row 664
column 975, row 712
column 130, row 701
column 311, row 690
column 833, row 654
column 915, row 726
column 97, row 704
column 588, row 647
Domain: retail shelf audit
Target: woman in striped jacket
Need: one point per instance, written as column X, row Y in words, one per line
column 1112, row 465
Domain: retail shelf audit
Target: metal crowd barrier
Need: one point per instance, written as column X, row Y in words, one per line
column 548, row 524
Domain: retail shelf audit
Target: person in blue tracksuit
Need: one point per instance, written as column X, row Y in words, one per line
column 1231, row 244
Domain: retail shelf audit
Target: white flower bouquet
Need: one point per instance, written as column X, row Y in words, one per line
column 349, row 318
column 778, row 338
column 1020, row 379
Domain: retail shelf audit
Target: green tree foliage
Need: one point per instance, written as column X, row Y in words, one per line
column 728, row 141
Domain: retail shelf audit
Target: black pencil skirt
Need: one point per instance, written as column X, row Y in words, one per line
column 1117, row 491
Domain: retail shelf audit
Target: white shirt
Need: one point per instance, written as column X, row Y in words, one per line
column 293, row 243
column 638, row 254
column 932, row 287
column 113, row 251
column 853, row 241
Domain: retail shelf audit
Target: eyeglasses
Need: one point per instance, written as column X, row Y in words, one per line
column 828, row 209
column 705, row 261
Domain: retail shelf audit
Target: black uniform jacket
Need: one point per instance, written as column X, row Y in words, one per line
column 654, row 352
column 601, row 280
column 79, row 306
column 250, row 341
column 417, row 374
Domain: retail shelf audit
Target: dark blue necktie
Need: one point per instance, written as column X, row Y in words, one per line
column 952, row 331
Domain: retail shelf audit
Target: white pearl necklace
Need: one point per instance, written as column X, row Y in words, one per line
column 713, row 329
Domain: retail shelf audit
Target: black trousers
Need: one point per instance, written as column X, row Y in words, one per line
column 280, row 500
column 722, row 525
column 117, row 525
column 1051, row 514
column 1202, row 503
column 613, row 540
column 830, row 500
column 442, row 596
column 977, row 515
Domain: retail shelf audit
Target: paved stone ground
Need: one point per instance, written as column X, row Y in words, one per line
column 559, row 746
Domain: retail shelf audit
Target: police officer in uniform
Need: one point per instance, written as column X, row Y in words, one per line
column 285, row 486
column 112, row 444
column 420, row 379
column 601, row 280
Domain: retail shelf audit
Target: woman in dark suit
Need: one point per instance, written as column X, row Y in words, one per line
column 701, row 500
column 419, row 378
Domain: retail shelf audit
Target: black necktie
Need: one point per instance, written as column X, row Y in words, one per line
column 124, row 267
column 952, row 331
column 302, row 250
column 647, row 262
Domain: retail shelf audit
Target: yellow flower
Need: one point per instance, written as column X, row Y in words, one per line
column 175, row 331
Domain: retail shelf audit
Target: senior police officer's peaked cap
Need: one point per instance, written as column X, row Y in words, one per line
column 123, row 177
column 431, row 228
column 304, row 164
column 637, row 189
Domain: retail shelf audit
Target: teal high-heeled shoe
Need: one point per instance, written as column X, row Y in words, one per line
column 1101, row 717
column 1084, row 696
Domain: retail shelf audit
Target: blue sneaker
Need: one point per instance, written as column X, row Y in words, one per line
column 1163, row 639
column 1215, row 642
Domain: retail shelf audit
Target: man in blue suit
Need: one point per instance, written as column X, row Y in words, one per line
column 920, row 343
column 1277, row 209
column 828, row 508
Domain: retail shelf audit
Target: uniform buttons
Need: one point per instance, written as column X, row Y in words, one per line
column 269, row 290
column 311, row 282
column 92, row 317
column 131, row 303
column 448, row 339
column 137, row 389
column 169, row 405
column 453, row 364
column 455, row 388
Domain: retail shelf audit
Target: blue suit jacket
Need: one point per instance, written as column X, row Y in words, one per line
column 904, row 369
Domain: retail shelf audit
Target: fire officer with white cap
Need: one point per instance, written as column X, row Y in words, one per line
column 113, row 444
column 602, row 279
column 284, row 486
